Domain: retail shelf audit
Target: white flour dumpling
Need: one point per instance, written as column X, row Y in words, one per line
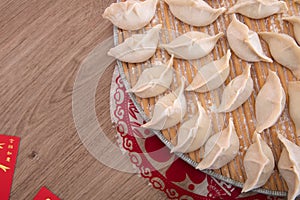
column 193, row 133
column 131, row 15
column 192, row 45
column 154, row 81
column 295, row 20
column 284, row 50
column 294, row 102
column 220, row 148
column 259, row 164
column 211, row 76
column 244, row 42
column 194, row 12
column 236, row 92
column 169, row 110
column 258, row 9
column 289, row 166
column 137, row 48
column 269, row 103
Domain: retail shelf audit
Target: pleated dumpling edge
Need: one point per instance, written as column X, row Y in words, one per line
column 289, row 166
column 192, row 45
column 169, row 110
column 258, row 163
column 236, row 92
column 131, row 15
column 212, row 75
column 154, row 81
column 220, row 148
column 189, row 10
column 295, row 20
column 294, row 99
column 194, row 132
column 137, row 48
column 269, row 103
column 258, row 9
column 245, row 43
column 289, row 55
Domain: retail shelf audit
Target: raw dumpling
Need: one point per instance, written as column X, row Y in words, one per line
column 295, row 20
column 131, row 15
column 270, row 102
column 211, row 76
column 220, row 148
column 192, row 45
column 258, row 9
column 294, row 102
column 289, row 166
column 154, row 81
column 194, row 12
column 137, row 48
column 236, row 92
column 193, row 133
column 259, row 164
column 169, row 110
column 244, row 42
column 284, row 50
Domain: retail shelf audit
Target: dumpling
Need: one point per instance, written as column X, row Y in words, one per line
column 269, row 103
column 236, row 92
column 131, row 15
column 169, row 110
column 244, row 42
column 295, row 20
column 220, row 148
column 137, row 48
column 284, row 50
column 258, row 9
column 154, row 81
column 289, row 166
column 259, row 164
column 193, row 133
column 189, row 11
column 212, row 75
column 192, row 45
column 294, row 99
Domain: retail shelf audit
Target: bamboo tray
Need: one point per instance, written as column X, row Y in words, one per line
column 244, row 116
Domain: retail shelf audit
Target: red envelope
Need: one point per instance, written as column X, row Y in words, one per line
column 45, row 194
column 9, row 146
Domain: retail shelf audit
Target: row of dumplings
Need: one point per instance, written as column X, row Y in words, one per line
column 245, row 44
column 193, row 45
column 222, row 147
column 134, row 15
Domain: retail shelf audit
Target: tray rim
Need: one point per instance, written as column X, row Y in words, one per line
column 170, row 145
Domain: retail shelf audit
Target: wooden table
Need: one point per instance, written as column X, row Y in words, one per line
column 42, row 43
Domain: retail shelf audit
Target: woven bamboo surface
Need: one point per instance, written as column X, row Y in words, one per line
column 244, row 116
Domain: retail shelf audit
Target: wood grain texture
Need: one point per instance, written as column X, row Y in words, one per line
column 42, row 43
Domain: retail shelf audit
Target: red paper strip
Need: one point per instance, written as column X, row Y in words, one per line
column 9, row 146
column 45, row 194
